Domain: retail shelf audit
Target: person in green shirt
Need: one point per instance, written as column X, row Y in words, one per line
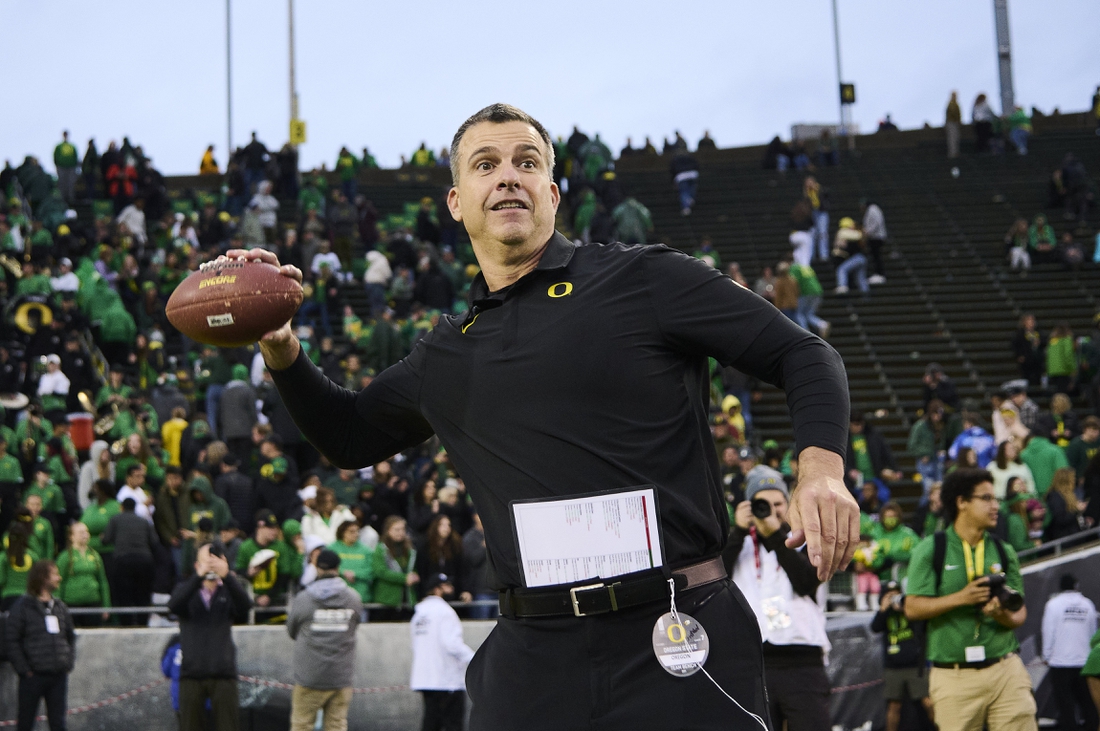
column 810, row 293
column 53, row 500
column 205, row 504
column 347, row 166
column 114, row 392
column 96, row 516
column 895, row 542
column 1084, row 447
column 393, row 561
column 65, row 159
column 83, row 577
column 1043, row 458
column 42, row 540
column 1091, row 670
column 269, row 578
column 976, row 674
column 356, row 560
column 17, row 558
column 1015, row 515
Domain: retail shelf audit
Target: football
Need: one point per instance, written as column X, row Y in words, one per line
column 233, row 303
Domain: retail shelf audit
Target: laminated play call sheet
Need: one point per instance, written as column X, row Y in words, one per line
column 602, row 535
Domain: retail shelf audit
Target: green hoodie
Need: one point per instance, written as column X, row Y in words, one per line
column 1061, row 357
column 53, row 501
column 83, row 579
column 359, row 560
column 42, row 541
column 96, row 517
column 1043, row 459
column 210, row 506
column 894, row 545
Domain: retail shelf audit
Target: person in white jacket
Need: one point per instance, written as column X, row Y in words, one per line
column 1069, row 622
column 439, row 660
column 326, row 517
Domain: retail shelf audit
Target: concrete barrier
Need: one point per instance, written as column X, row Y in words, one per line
column 112, row 662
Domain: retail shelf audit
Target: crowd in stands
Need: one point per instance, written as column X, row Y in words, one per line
column 192, row 444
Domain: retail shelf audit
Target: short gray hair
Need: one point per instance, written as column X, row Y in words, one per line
column 499, row 114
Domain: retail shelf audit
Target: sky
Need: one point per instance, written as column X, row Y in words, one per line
column 390, row 75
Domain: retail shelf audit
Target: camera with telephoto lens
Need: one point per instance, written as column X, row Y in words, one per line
column 1009, row 598
column 761, row 508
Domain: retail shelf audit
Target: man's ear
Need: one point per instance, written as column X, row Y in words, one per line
column 452, row 204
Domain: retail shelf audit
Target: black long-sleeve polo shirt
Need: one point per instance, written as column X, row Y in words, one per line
column 589, row 373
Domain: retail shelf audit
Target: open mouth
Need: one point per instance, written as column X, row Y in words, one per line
column 509, row 205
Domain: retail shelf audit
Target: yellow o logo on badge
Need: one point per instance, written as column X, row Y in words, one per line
column 561, row 289
column 674, row 630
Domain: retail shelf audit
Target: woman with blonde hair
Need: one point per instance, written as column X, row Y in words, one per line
column 1063, row 506
column 83, row 577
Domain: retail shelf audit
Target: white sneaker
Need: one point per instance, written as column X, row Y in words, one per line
column 876, row 279
column 840, row 290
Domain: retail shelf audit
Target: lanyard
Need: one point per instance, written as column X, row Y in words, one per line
column 975, row 563
column 756, row 552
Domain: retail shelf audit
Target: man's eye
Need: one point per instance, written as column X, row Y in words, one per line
column 529, row 164
column 484, row 165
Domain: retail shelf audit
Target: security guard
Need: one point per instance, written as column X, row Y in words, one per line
column 580, row 373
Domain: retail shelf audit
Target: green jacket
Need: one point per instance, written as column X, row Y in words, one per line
column 389, row 577
column 169, row 522
column 894, row 549
column 96, row 517
column 117, row 325
column 10, row 469
column 13, row 575
column 274, row 579
column 42, row 540
column 83, row 579
column 1061, row 357
column 53, row 501
column 1043, row 459
column 360, row 561
column 347, row 166
column 65, row 156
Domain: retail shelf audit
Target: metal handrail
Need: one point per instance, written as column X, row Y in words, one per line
column 275, row 609
column 1055, row 548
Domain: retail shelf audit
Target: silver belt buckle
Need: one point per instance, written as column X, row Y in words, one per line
column 573, row 596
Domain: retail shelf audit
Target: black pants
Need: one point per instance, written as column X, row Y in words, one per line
column 443, row 710
column 601, row 672
column 877, row 265
column 134, row 580
column 222, row 693
column 1071, row 690
column 799, row 695
column 54, row 688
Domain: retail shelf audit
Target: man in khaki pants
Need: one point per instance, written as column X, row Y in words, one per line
column 322, row 622
column 977, row 678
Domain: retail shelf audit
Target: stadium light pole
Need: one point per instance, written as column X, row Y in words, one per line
column 1004, row 56
column 293, row 89
column 844, row 122
column 228, row 89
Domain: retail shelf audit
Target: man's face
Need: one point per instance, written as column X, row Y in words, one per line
column 777, row 500
column 982, row 508
column 504, row 193
column 173, row 482
column 265, row 535
column 34, row 504
column 1019, row 398
column 54, row 582
column 856, row 427
column 1091, row 434
column 136, row 478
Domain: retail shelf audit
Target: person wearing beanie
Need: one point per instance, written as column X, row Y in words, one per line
column 323, row 622
column 783, row 589
column 237, row 413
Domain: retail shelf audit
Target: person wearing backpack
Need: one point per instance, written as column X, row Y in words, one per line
column 966, row 583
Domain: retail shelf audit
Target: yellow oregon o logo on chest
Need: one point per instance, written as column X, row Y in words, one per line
column 561, row 289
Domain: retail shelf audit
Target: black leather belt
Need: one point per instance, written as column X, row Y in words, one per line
column 968, row 665
column 602, row 597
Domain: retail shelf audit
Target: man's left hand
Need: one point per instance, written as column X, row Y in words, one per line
column 823, row 514
column 767, row 526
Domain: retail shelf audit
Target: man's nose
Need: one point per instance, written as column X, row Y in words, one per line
column 509, row 177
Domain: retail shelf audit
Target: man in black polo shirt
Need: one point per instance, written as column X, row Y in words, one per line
column 581, row 373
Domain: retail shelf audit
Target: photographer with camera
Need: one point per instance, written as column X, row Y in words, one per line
column 903, row 664
column 966, row 582
column 208, row 605
column 782, row 587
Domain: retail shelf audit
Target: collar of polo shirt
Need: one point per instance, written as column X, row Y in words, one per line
column 558, row 254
